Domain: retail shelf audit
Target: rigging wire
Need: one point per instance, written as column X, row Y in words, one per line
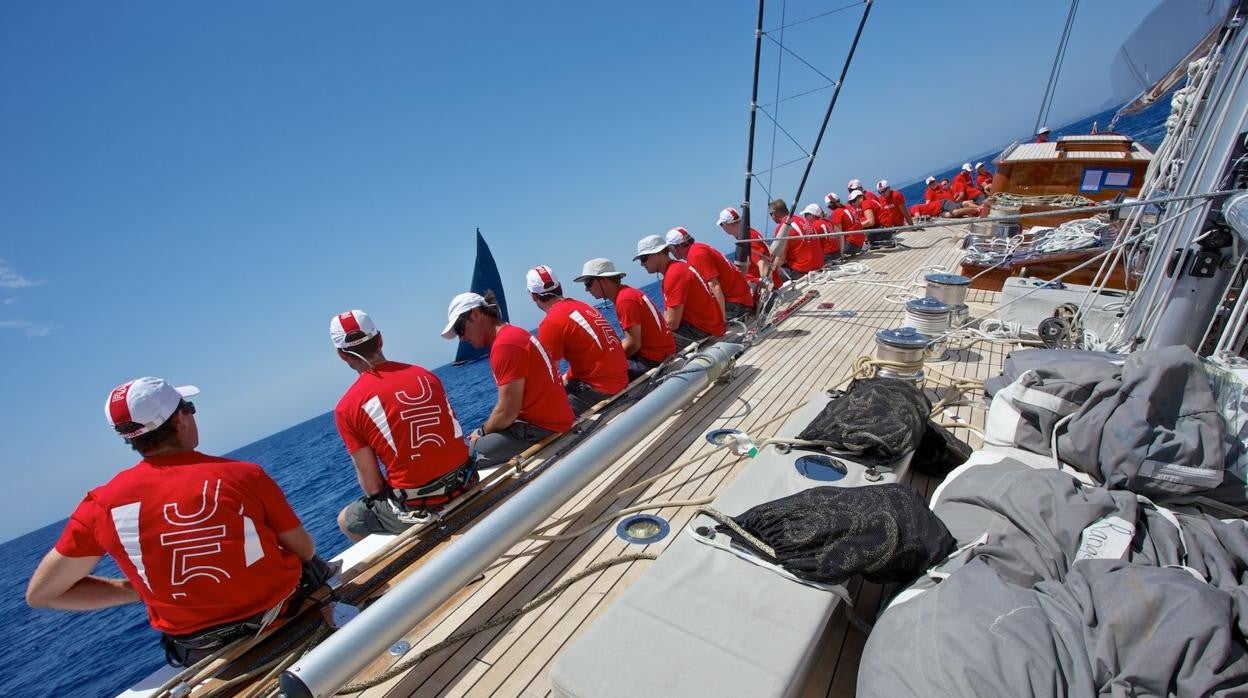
column 1051, row 88
column 775, row 121
column 821, row 14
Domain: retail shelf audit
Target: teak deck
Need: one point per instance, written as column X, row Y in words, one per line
column 811, row 351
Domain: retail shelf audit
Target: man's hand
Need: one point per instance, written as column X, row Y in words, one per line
column 475, row 435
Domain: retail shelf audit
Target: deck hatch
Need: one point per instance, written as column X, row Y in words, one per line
column 643, row 529
column 820, row 467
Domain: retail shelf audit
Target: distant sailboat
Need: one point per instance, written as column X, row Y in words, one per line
column 484, row 278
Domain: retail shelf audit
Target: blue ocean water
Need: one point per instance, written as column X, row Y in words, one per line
column 102, row 653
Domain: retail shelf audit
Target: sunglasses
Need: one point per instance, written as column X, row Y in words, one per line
column 461, row 323
column 589, row 283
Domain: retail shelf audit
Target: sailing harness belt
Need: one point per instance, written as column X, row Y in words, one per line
column 438, row 491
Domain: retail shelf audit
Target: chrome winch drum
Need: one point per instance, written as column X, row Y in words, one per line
column 930, row 317
column 904, row 345
column 959, row 315
column 949, row 289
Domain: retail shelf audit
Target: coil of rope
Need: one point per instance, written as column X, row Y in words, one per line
column 1058, row 200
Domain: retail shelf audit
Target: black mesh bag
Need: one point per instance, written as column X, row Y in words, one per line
column 875, row 421
column 827, row 534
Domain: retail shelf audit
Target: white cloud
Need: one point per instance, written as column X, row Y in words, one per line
column 30, row 329
column 11, row 278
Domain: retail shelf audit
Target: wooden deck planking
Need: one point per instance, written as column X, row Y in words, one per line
column 811, row 350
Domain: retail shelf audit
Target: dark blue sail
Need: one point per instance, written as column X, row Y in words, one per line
column 484, row 278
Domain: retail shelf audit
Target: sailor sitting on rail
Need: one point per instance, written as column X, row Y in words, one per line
column 760, row 264
column 575, row 331
column 647, row 340
column 964, row 189
column 845, row 219
column 396, row 414
column 210, row 545
column 727, row 283
column 691, row 312
column 531, row 401
column 800, row 255
column 820, row 225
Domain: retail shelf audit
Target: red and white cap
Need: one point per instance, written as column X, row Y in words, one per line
column 146, row 401
column 881, row 185
column 854, row 184
column 832, row 196
column 541, row 279
column 929, row 179
column 812, row 210
column 728, row 215
column 966, row 167
column 343, row 325
column 855, row 195
column 677, row 236
column 459, row 305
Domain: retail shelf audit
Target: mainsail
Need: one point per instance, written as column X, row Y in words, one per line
column 484, row 278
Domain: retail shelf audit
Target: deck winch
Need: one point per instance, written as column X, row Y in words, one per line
column 949, row 289
column 904, row 349
column 929, row 316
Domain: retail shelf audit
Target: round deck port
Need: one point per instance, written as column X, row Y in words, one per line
column 643, row 529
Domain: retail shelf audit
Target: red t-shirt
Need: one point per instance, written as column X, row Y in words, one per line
column 892, row 208
column 962, row 184
column 712, row 264
column 683, row 287
column 760, row 251
column 983, row 179
column 516, row 354
column 831, row 244
column 935, row 192
column 196, row 535
column 573, row 330
column 400, row 411
column 864, row 204
column 634, row 308
column 849, row 219
column 801, row 254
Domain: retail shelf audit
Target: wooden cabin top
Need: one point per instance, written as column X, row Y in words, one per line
column 1084, row 147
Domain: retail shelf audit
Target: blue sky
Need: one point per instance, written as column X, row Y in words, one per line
column 191, row 190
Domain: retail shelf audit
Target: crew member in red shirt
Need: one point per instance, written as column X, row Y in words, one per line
column 869, row 216
column 208, row 544
column 573, row 330
column 964, row 189
column 820, row 225
column 727, row 283
column 690, row 311
column 846, row 219
column 647, row 341
column 856, row 185
column 1042, row 135
column 983, row 177
column 531, row 401
column 801, row 255
column 893, row 211
column 760, row 255
column 931, row 206
column 394, row 414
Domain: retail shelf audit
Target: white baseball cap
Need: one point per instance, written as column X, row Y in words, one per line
column 966, row 166
column 599, row 267
column 678, row 236
column 812, row 210
column 979, row 165
column 344, row 324
column 855, row 195
column 854, row 184
column 728, row 215
column 881, row 185
column 929, row 179
column 459, row 305
column 1043, row 129
column 148, row 402
column 541, row 279
column 832, row 196
column 650, row 244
